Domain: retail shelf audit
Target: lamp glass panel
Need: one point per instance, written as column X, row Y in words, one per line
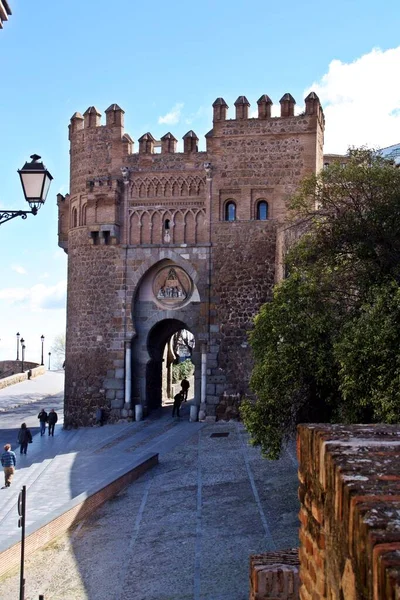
column 46, row 187
column 32, row 183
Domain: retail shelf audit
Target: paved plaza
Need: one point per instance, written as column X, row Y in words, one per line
column 183, row 531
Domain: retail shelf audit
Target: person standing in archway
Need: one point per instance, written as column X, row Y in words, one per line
column 178, row 399
column 185, row 385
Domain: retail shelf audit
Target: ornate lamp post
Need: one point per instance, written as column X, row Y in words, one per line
column 49, row 359
column 42, row 340
column 18, row 336
column 35, row 180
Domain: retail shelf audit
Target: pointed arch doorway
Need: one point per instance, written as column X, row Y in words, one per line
column 159, row 386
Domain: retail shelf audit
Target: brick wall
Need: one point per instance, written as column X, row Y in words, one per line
column 275, row 575
column 350, row 512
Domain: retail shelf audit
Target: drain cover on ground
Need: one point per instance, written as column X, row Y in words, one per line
column 220, row 434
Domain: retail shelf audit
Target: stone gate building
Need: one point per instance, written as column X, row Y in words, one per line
column 160, row 241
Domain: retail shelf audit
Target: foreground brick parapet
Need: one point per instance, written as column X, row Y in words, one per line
column 275, row 575
column 350, row 512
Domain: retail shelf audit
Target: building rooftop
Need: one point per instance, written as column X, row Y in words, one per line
column 5, row 12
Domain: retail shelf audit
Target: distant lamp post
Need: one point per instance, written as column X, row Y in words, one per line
column 49, row 359
column 35, row 180
column 42, row 340
column 23, row 357
column 18, row 336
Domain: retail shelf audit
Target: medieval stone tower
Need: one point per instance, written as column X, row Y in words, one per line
column 159, row 241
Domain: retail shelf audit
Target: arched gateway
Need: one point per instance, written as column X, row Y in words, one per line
column 167, row 301
column 151, row 250
column 158, row 383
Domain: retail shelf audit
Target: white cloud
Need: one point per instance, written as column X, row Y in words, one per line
column 361, row 101
column 18, row 269
column 172, row 118
column 37, row 298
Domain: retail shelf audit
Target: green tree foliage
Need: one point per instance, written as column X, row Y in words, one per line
column 181, row 370
column 325, row 347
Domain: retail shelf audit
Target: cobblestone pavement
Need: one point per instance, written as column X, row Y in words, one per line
column 183, row 531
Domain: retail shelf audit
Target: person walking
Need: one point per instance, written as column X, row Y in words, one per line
column 185, row 385
column 52, row 419
column 42, row 416
column 9, row 462
column 24, row 438
column 178, row 399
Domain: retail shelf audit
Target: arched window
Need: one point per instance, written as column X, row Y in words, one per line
column 166, row 224
column 262, row 210
column 74, row 217
column 84, row 214
column 230, row 211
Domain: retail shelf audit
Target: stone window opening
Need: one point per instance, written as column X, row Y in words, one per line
column 95, row 237
column 106, row 236
column 230, row 211
column 84, row 214
column 167, row 223
column 262, row 211
column 74, row 217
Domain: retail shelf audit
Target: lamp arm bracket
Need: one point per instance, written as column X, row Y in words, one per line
column 7, row 215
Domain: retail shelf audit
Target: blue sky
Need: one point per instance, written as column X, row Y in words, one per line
column 165, row 63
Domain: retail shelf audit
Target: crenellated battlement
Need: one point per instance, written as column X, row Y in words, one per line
column 90, row 121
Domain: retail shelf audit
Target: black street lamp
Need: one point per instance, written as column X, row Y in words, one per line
column 42, row 340
column 18, row 336
column 49, row 359
column 21, row 523
column 35, row 180
column 23, row 357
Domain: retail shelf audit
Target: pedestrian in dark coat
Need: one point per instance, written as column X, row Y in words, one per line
column 185, row 385
column 24, row 438
column 178, row 399
column 52, row 419
column 42, row 416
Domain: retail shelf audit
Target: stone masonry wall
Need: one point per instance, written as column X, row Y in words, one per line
column 243, row 275
column 94, row 368
column 350, row 512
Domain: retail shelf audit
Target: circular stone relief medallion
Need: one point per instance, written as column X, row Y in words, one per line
column 172, row 286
